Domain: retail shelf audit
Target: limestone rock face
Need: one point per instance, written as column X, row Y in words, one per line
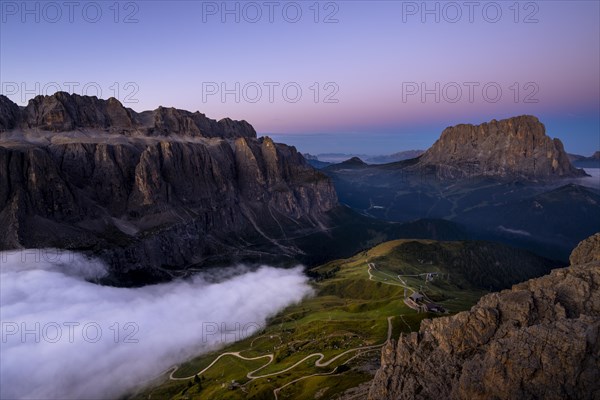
column 10, row 114
column 152, row 191
column 63, row 112
column 516, row 147
column 587, row 251
column 541, row 339
column 171, row 121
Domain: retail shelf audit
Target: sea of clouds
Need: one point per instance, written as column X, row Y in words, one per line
column 64, row 337
column 593, row 180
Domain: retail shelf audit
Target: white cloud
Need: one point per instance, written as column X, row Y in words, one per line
column 514, row 231
column 158, row 325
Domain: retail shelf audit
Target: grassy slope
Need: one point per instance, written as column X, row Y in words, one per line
column 349, row 310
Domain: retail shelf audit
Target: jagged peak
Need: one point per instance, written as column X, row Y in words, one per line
column 62, row 112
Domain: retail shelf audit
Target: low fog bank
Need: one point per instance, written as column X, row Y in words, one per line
column 65, row 337
column 593, row 180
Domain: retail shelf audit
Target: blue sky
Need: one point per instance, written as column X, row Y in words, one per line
column 344, row 69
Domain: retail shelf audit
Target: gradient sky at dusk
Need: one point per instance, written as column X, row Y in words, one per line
column 177, row 50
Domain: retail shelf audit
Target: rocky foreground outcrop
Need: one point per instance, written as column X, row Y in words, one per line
column 516, row 147
column 588, row 251
column 539, row 340
column 153, row 191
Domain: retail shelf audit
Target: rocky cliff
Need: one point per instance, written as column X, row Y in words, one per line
column 150, row 192
column 516, row 147
column 63, row 112
column 587, row 251
column 539, row 340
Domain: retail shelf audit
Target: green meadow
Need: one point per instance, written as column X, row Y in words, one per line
column 321, row 346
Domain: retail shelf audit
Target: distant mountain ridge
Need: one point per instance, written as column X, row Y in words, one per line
column 586, row 162
column 399, row 156
column 314, row 161
column 332, row 158
column 352, row 163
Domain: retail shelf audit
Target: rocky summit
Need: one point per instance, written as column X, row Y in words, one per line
column 516, row 147
column 63, row 112
column 539, row 340
column 153, row 191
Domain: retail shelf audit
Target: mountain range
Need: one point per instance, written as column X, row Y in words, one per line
column 150, row 191
column 161, row 193
column 158, row 193
column 504, row 180
column 323, row 160
column 585, row 162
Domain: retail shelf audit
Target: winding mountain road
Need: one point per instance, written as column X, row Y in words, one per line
column 318, row 362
